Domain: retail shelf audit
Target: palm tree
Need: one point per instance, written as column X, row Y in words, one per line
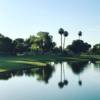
column 61, row 32
column 80, row 34
column 65, row 35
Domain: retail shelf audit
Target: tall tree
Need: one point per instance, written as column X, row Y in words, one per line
column 79, row 34
column 6, row 45
column 61, row 32
column 46, row 41
column 79, row 46
column 42, row 42
column 65, row 35
column 96, row 49
column 19, row 45
column 32, row 43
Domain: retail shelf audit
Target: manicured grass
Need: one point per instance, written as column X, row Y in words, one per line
column 20, row 62
column 13, row 63
column 28, row 62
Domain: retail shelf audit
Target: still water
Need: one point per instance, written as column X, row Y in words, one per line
column 59, row 81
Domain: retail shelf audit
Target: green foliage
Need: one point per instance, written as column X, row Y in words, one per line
column 80, row 33
column 46, row 41
column 6, row 45
column 96, row 49
column 61, row 31
column 65, row 34
column 19, row 45
column 79, row 46
column 42, row 42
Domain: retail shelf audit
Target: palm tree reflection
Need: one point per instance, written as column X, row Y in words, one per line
column 62, row 76
column 80, row 81
column 65, row 80
column 44, row 74
column 61, row 84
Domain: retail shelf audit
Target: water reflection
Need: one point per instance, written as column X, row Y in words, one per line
column 46, row 73
column 97, row 66
column 62, row 75
column 43, row 74
column 61, row 81
column 78, row 68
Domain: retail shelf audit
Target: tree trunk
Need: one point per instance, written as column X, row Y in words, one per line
column 61, row 43
column 61, row 73
column 64, row 43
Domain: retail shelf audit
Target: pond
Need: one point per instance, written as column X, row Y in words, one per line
column 59, row 81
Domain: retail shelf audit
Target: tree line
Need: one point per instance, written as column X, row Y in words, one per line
column 43, row 43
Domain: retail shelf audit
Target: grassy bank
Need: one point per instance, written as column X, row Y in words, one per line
column 13, row 63
column 19, row 62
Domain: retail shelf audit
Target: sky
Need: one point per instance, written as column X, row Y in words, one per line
column 22, row 18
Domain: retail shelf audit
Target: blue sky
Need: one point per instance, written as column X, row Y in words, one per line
column 22, row 18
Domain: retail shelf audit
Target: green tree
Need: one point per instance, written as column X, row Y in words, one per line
column 65, row 35
column 1, row 36
column 31, row 42
column 45, row 41
column 79, row 46
column 6, row 45
column 61, row 32
column 41, row 42
column 19, row 45
column 79, row 34
column 96, row 49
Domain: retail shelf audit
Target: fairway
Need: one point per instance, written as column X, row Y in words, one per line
column 20, row 62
